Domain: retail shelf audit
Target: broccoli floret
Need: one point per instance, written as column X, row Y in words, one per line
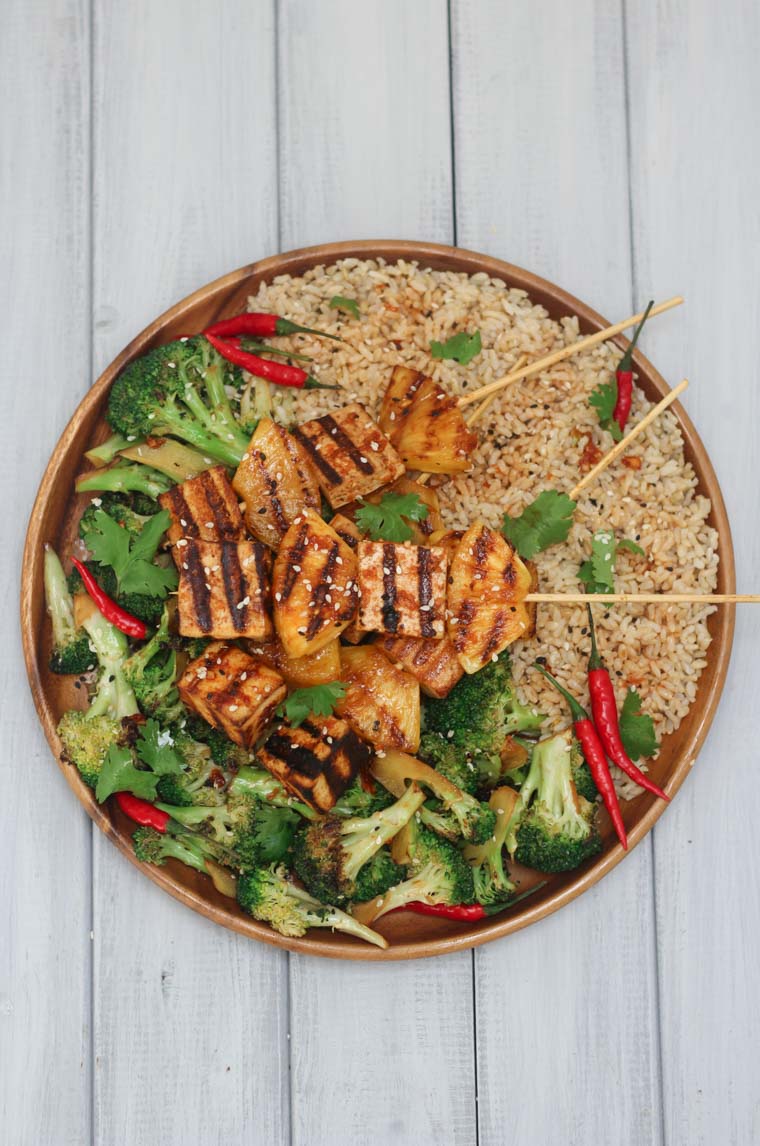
column 86, row 740
column 476, row 821
column 145, row 504
column 179, row 389
column 582, row 778
column 450, row 760
column 115, row 507
column 157, row 847
column 148, row 609
column 191, row 786
column 438, row 874
column 223, row 751
column 113, row 695
column 268, row 895
column 71, row 651
column 252, row 832
column 196, row 646
column 552, row 826
column 490, row 876
column 363, row 797
column 478, row 715
column 328, row 855
column 258, row 784
column 379, row 874
column 142, row 481
column 152, row 673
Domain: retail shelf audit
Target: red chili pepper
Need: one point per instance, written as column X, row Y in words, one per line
column 261, row 326
column 624, row 376
column 604, row 711
column 142, row 812
column 277, row 372
column 468, row 911
column 594, row 755
column 112, row 612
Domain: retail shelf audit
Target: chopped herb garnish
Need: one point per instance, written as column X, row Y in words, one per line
column 156, row 749
column 347, row 305
column 604, row 399
column 636, row 728
column 385, row 522
column 461, row 347
column 119, row 774
column 598, row 573
column 131, row 556
column 320, row 700
column 546, row 521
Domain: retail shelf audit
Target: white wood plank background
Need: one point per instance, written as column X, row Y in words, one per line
column 147, row 148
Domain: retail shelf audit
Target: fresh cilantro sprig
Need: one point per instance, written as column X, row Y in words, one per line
column 598, row 573
column 156, row 749
column 546, row 521
column 119, row 774
column 462, row 347
column 131, row 556
column 272, row 831
column 347, row 305
column 636, row 728
column 320, row 700
column 385, row 521
column 604, row 399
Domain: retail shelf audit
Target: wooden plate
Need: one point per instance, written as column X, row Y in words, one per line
column 54, row 519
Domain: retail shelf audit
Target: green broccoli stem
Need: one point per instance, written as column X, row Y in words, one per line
column 113, row 697
column 140, row 479
column 261, row 785
column 136, row 665
column 221, row 411
column 194, row 431
column 316, row 914
column 59, row 602
column 105, row 453
column 363, row 838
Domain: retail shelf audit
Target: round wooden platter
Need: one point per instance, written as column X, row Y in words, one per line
column 56, row 512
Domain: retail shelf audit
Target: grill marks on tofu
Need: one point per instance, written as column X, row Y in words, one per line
column 402, row 589
column 316, row 761
column 315, row 594
column 276, row 481
column 487, row 586
column 433, row 663
column 205, row 508
column 425, row 424
column 232, row 691
column 382, row 702
column 223, row 589
column 350, row 454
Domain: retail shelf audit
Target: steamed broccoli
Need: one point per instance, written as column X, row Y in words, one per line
column 179, row 389
column 223, row 751
column 552, row 828
column 113, row 695
column 71, row 651
column 86, row 740
column 251, row 831
column 450, row 760
column 329, row 855
column 479, row 713
column 582, row 778
column 490, row 876
column 258, row 784
column 115, row 506
column 362, row 797
column 476, row 821
column 438, row 873
column 152, row 673
column 193, row 784
column 268, row 895
column 173, row 843
column 145, row 484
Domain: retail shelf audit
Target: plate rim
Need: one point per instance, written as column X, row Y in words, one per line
column 294, row 262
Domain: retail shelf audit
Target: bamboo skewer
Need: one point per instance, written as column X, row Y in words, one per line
column 625, row 442
column 566, row 352
column 643, row 598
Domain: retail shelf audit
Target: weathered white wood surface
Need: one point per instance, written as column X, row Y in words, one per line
column 609, row 148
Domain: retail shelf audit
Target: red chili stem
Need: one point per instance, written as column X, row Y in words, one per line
column 605, row 713
column 261, row 326
column 112, row 612
column 624, row 376
column 142, row 812
column 277, row 372
column 595, row 757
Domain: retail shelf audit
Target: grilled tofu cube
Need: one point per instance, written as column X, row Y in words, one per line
column 314, row 586
column 487, row 586
column 433, row 663
column 402, row 589
column 232, row 692
column 321, row 667
column 276, row 481
column 351, row 455
column 316, row 761
column 204, row 507
column 223, row 589
column 425, row 424
column 349, row 532
column 382, row 702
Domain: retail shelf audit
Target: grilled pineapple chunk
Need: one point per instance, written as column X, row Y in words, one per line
column 382, row 702
column 223, row 589
column 233, row 692
column 433, row 663
column 402, row 589
column 204, row 507
column 447, row 539
column 276, row 481
column 314, row 586
column 350, row 454
column 487, row 586
column 321, row 667
column 316, row 761
column 425, row 424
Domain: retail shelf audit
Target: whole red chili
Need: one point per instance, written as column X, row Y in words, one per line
column 604, row 711
column 112, row 612
column 142, row 812
column 278, row 372
column 594, row 755
column 624, row 376
column 261, row 326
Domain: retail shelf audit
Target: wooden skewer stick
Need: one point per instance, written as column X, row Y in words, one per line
column 625, row 442
column 566, row 352
column 643, row 598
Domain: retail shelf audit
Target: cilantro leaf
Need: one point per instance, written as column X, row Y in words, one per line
column 272, row 831
column 636, row 728
column 546, row 521
column 119, row 774
column 598, row 574
column 384, row 522
column 320, row 699
column 347, row 305
column 604, row 399
column 462, row 347
column 131, row 555
column 631, row 546
column 156, row 749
